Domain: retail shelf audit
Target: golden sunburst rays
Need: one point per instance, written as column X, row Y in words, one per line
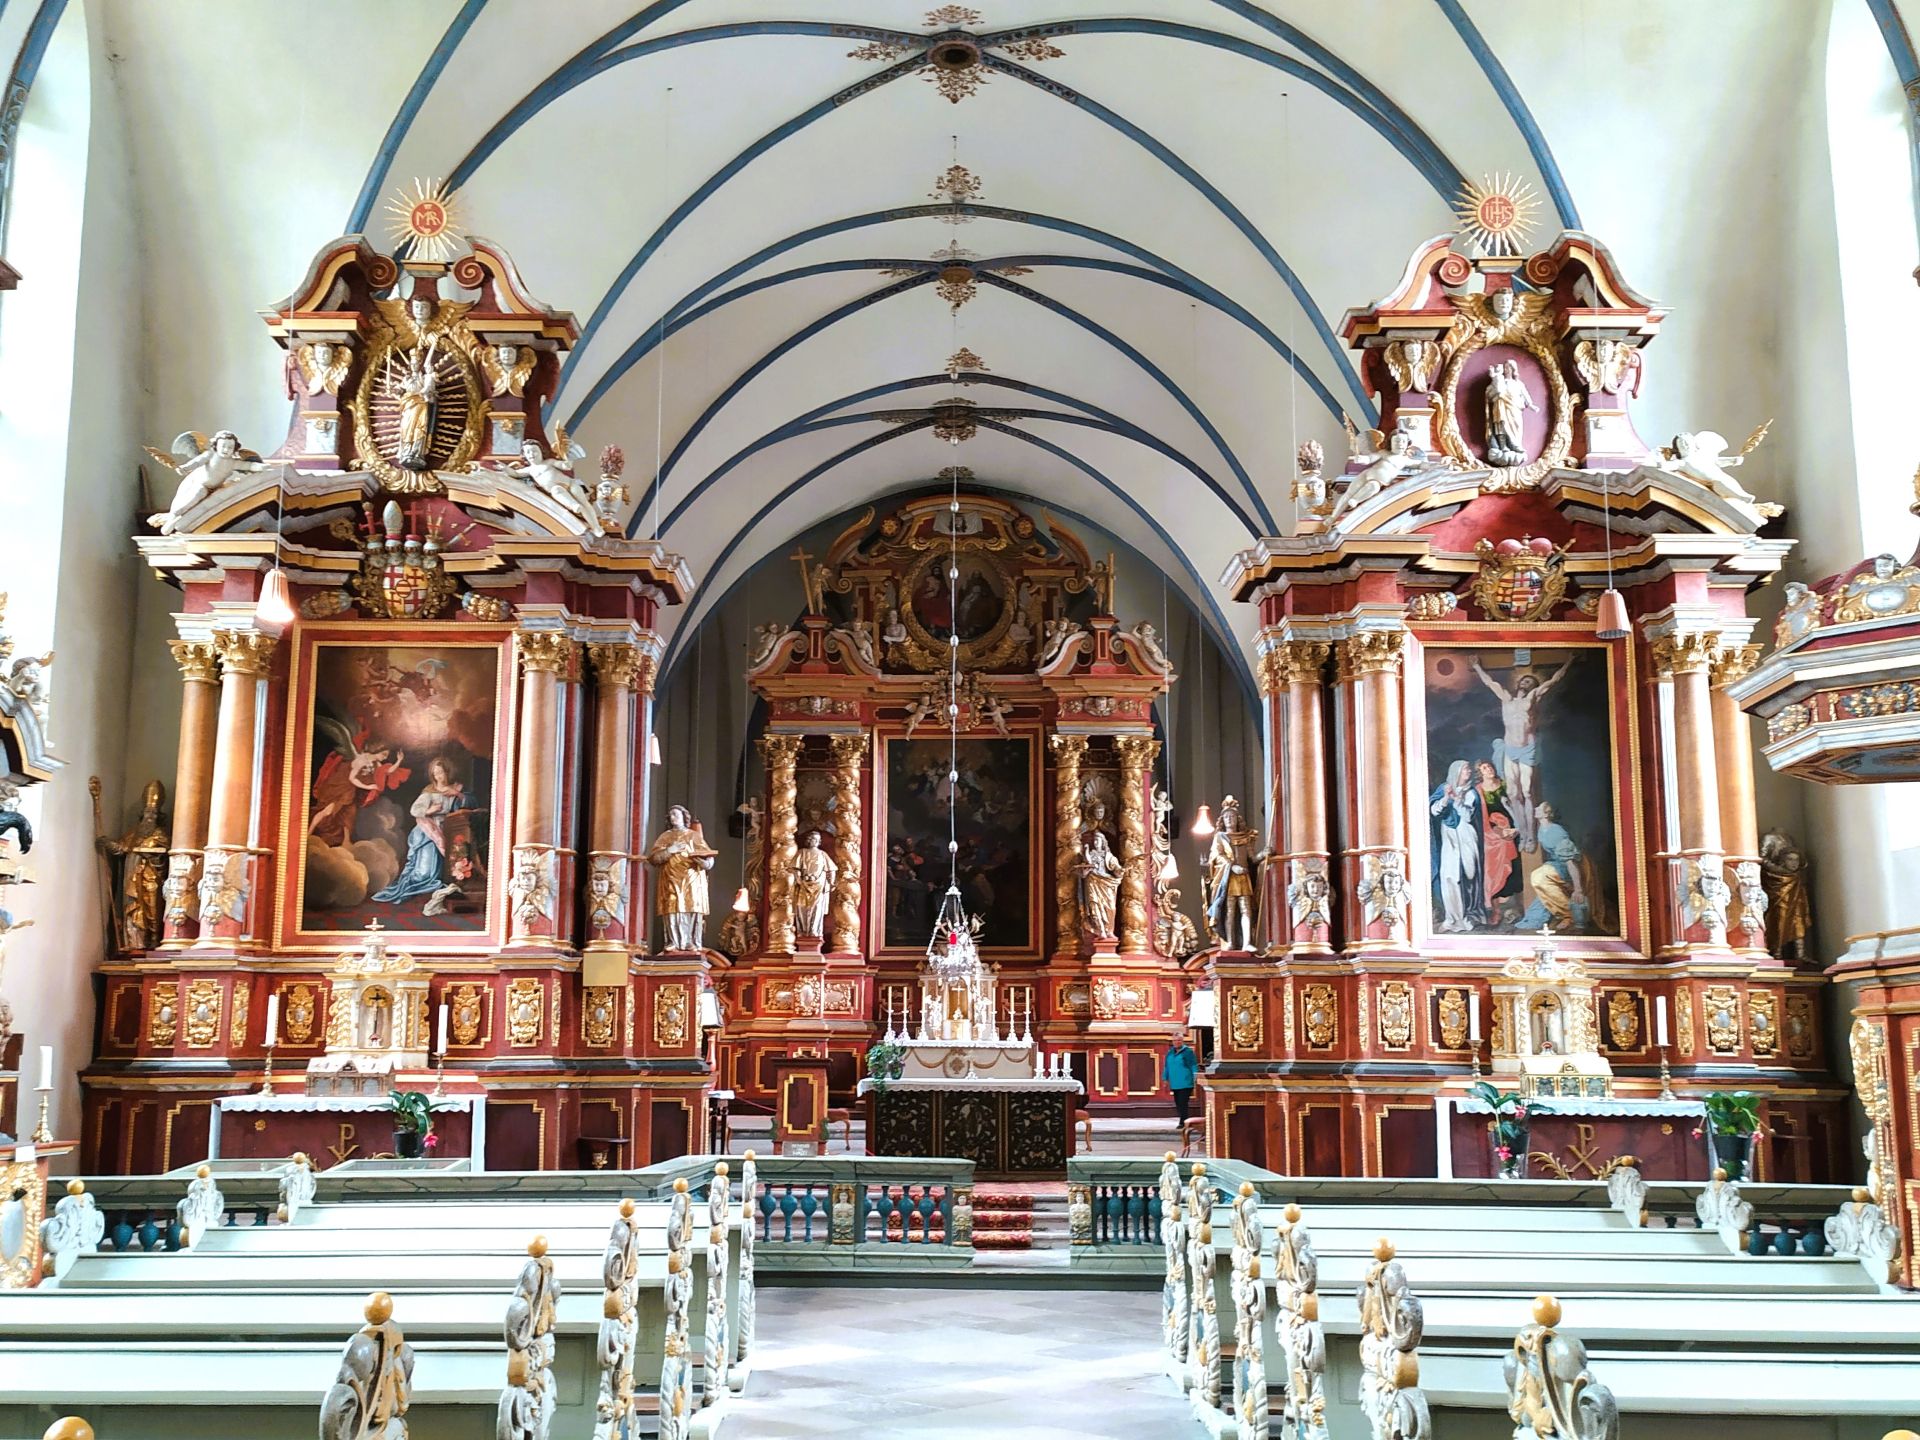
column 1499, row 213
column 427, row 219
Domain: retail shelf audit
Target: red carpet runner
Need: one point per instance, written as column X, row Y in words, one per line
column 1002, row 1218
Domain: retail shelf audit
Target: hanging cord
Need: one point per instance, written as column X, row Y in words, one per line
column 1293, row 311
column 953, row 687
column 660, row 334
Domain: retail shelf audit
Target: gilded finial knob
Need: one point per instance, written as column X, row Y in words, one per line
column 1862, row 1195
column 721, row 1169
column 1253, row 1268
column 610, row 1306
column 680, row 1187
column 204, row 1171
column 1171, row 1157
column 76, row 1187
column 537, row 1247
column 74, row 1428
column 1199, row 1167
column 1546, row 1311
column 1292, row 1212
column 626, row 1209
column 300, row 1159
column 1246, row 1189
column 1383, row 1249
column 1719, row 1175
column 379, row 1308
column 1890, row 1435
column 749, row 1155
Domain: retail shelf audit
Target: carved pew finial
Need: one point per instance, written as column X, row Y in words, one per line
column 1551, row 1394
column 1391, row 1323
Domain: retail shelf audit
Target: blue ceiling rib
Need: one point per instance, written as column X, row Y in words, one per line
column 1906, row 65
column 1415, row 146
column 416, row 96
column 1219, row 201
column 1509, row 94
column 1223, row 632
column 812, row 420
column 650, row 335
column 926, row 277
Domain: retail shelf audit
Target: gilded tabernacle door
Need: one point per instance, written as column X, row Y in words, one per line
column 396, row 802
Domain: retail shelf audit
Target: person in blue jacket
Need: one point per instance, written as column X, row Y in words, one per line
column 1182, row 1071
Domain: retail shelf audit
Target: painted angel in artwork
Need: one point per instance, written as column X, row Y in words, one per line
column 354, row 774
column 204, row 466
column 552, row 475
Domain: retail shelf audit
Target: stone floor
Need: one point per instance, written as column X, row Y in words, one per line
column 948, row 1364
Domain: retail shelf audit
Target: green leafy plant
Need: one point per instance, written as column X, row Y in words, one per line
column 413, row 1113
column 883, row 1060
column 1511, row 1114
column 1733, row 1112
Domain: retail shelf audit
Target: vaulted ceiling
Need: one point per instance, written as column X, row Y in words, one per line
column 1166, row 208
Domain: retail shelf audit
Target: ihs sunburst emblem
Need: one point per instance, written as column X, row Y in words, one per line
column 1498, row 213
column 426, row 219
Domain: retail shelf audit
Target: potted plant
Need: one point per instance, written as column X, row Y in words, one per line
column 1733, row 1118
column 885, row 1061
column 412, row 1123
column 1510, row 1124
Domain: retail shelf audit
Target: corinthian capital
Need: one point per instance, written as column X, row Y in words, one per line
column 1374, row 652
column 198, row 660
column 1734, row 662
column 622, row 666
column 1685, row 654
column 245, row 652
column 545, row 651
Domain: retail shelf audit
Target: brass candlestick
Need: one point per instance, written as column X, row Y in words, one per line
column 1475, row 1048
column 440, row 1076
column 266, row 1076
column 1666, row 1077
column 43, row 1132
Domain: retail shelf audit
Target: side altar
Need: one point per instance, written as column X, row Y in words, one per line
column 416, row 648
column 1052, row 701
column 1499, row 660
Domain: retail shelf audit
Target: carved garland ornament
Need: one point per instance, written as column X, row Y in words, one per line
column 1623, row 1020
column 163, row 1012
column 300, row 1012
column 1722, row 1004
column 598, row 1009
column 1453, row 1019
column 1763, row 1023
column 670, row 1015
column 1526, row 326
column 203, row 1014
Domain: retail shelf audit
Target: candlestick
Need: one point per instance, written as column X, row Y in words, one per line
column 1660, row 1020
column 441, row 1048
column 266, row 1074
column 43, row 1132
column 1473, row 1016
column 1666, row 1078
column 46, row 1067
column 273, row 1019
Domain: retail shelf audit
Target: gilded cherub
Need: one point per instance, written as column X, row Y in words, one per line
column 203, row 466
column 552, row 475
column 323, row 365
column 507, row 367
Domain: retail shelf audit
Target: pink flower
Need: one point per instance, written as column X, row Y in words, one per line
column 1696, row 1134
column 432, row 1142
column 1503, row 1152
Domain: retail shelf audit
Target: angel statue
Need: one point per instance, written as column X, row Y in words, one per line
column 354, row 774
column 203, row 466
column 553, row 477
column 1702, row 457
column 507, row 367
column 1388, row 458
column 323, row 366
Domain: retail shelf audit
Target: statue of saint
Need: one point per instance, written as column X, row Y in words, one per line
column 1507, row 402
column 813, row 875
column 417, row 384
column 1097, row 885
column 1783, row 875
column 682, row 857
column 142, row 853
column 1231, row 859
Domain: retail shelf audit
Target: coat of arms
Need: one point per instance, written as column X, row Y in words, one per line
column 401, row 575
column 1520, row 579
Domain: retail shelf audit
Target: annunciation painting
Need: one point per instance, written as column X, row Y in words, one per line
column 401, row 746
column 1520, row 802
column 994, row 831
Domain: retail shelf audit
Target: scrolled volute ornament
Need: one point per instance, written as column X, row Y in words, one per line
column 619, row 1264
column 676, row 1363
column 204, row 1208
column 76, row 1227
column 1391, row 1323
column 718, row 1338
column 744, row 1298
column 297, row 1186
column 370, row 1396
column 1551, row 1392
column 1296, row 1291
column 1173, row 1236
column 1858, row 1229
column 527, row 1401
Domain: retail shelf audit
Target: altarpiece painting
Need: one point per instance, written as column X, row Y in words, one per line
column 995, row 835
column 1521, row 810
column 399, row 787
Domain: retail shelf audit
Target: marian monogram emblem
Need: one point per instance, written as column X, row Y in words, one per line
column 1519, row 579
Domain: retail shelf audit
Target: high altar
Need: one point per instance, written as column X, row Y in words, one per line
column 444, row 748
column 1496, row 657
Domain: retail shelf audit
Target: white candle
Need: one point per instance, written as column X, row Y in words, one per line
column 273, row 1019
column 1660, row 1020
column 1473, row 1016
column 441, row 1048
column 46, row 1067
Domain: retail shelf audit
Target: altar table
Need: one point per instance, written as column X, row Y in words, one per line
column 334, row 1128
column 1579, row 1138
column 1009, row 1128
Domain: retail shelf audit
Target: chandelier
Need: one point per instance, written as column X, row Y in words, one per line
column 951, row 952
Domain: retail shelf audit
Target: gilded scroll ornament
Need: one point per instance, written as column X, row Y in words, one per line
column 1722, row 1005
column 163, row 1014
column 1068, row 751
column 1502, row 318
column 1683, row 1019
column 527, row 1403
column 1520, row 580
column 202, row 1013
column 526, row 1008
column 1391, row 1324
column 670, row 1015
column 1321, row 1013
column 599, row 1007
column 1763, row 1023
column 1623, row 1020
column 1245, row 1017
column 1800, row 1025
column 843, row 922
column 1453, row 1018
column 418, row 409
column 20, row 1262
column 1551, row 1392
column 780, row 752
column 1396, row 1015
column 615, row 1405
column 299, row 1014
column 1886, row 588
column 374, row 1389
column 237, row 1017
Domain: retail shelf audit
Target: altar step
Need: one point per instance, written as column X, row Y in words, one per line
column 1020, row 1218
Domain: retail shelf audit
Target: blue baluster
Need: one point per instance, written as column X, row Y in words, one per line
column 122, row 1231
column 1757, row 1242
column 1783, row 1241
column 1154, row 1216
column 926, row 1214
column 1116, row 1208
column 767, row 1204
column 788, row 1204
column 809, row 1202
column 1137, row 1214
column 149, row 1234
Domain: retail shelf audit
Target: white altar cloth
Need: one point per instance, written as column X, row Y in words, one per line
column 979, row 1082
column 1555, row 1105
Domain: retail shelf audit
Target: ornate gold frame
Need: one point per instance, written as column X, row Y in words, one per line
column 923, row 651
column 1523, row 330
column 366, row 448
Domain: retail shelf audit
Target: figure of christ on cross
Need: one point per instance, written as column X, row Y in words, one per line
column 1517, row 751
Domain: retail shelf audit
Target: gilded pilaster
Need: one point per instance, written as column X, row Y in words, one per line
column 1068, row 751
column 849, row 753
column 780, row 754
column 1137, row 754
column 199, row 663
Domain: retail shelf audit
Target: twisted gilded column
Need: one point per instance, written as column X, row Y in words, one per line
column 780, row 753
column 199, row 664
column 843, row 917
column 1371, row 662
column 226, row 876
column 1068, row 751
column 545, row 657
column 1298, row 667
column 1739, row 823
column 1137, row 754
column 619, row 670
